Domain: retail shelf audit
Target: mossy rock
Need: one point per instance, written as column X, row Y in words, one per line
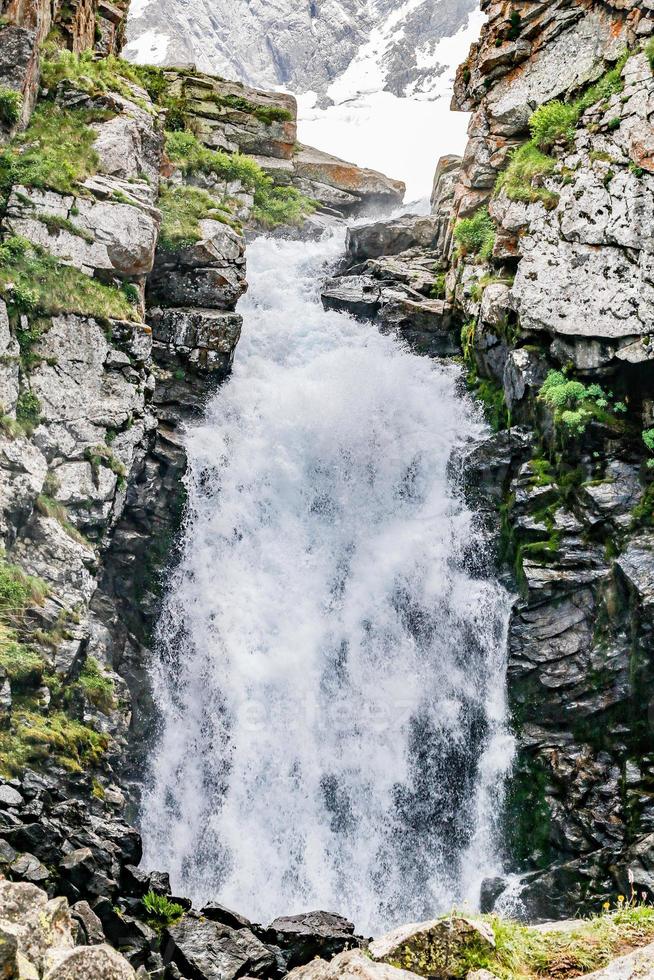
column 438, row 948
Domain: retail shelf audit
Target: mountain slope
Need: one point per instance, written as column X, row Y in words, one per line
column 302, row 46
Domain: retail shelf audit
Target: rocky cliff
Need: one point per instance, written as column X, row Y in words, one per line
column 543, row 238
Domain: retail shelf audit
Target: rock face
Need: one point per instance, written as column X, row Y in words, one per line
column 82, row 24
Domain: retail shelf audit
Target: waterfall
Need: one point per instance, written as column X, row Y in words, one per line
column 330, row 669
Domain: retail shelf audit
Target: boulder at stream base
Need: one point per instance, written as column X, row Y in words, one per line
column 302, row 937
column 439, row 947
column 37, row 940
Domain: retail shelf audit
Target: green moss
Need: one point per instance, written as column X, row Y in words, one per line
column 56, row 223
column 103, row 455
column 491, row 395
column 649, row 51
column 265, row 114
column 476, row 235
column 37, row 738
column 52, row 508
column 11, row 106
column 32, row 280
column 643, row 513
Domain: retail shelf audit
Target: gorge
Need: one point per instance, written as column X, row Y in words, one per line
column 328, row 565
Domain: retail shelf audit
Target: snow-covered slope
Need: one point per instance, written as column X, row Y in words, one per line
column 300, row 44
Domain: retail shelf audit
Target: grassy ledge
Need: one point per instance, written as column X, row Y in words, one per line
column 273, row 206
column 33, row 282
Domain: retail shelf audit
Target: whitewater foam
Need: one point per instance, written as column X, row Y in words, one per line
column 331, row 658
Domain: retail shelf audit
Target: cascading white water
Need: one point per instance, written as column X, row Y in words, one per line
column 330, row 672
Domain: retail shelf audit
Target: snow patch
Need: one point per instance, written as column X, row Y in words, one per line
column 148, row 49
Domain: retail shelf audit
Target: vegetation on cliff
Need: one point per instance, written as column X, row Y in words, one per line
column 33, row 282
column 272, row 206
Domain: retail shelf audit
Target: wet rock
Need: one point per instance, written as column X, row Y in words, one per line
column 390, row 237
column 303, row 937
column 210, row 951
column 434, row 947
column 358, row 295
column 637, row 566
column 429, row 326
column 226, row 917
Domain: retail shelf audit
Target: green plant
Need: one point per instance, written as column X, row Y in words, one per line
column 52, row 508
column 265, row 114
column 575, row 404
column 468, row 332
column 515, row 26
column 54, row 287
column 160, row 909
column 273, row 206
column 476, row 235
column 103, row 455
column 21, row 663
column 98, row 688
column 437, row 291
column 89, row 73
column 649, row 51
column 523, row 178
column 552, row 123
column 28, row 409
column 36, row 738
column 56, row 223
column 11, row 106
column 18, row 592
